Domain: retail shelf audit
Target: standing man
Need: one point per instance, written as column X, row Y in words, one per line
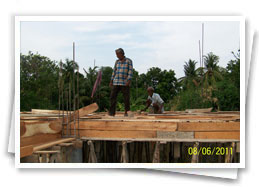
column 120, row 81
column 154, row 102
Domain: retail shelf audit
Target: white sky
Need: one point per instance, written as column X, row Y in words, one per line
column 149, row 44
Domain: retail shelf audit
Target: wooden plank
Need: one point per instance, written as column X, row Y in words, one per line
column 217, row 135
column 198, row 110
column 117, row 134
column 26, row 151
column 174, row 135
column 127, row 125
column 47, row 152
column 158, row 139
column 30, row 129
column 55, row 126
column 52, row 143
column 87, row 110
column 40, row 111
column 213, row 126
column 66, row 144
column 38, row 139
column 202, row 117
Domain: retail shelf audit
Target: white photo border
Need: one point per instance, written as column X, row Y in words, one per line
column 19, row 19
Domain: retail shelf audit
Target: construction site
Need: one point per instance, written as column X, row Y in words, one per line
column 89, row 137
column 84, row 133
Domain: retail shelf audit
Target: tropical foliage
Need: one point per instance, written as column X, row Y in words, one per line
column 201, row 87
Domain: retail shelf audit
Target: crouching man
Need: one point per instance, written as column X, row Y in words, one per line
column 154, row 102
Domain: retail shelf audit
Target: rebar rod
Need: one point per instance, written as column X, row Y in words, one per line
column 69, row 104
column 74, row 98
column 59, row 89
column 66, row 95
column 200, row 52
column 78, row 99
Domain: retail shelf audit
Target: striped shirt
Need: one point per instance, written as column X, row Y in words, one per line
column 122, row 72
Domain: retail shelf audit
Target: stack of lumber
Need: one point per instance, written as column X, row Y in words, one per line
column 42, row 128
column 168, row 126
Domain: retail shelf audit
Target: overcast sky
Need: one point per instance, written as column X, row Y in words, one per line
column 149, row 44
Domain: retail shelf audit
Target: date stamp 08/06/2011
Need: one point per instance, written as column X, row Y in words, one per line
column 210, row 151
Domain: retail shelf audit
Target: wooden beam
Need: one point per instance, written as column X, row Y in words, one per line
column 198, row 110
column 213, row 126
column 117, row 134
column 66, row 144
column 30, row 129
column 47, row 152
column 127, row 125
column 158, row 139
column 86, row 110
column 40, row 111
column 217, row 135
column 52, row 143
column 201, row 117
column 55, row 126
column 26, row 151
column 38, row 139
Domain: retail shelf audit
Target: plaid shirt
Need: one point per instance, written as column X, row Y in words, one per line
column 122, row 72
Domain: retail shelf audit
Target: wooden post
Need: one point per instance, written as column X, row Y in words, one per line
column 40, row 158
column 195, row 156
column 167, row 152
column 124, row 153
column 156, row 156
column 147, row 152
column 219, row 156
column 230, row 151
column 237, row 153
column 92, row 156
column 47, row 157
column 140, row 151
column 177, row 151
column 98, row 150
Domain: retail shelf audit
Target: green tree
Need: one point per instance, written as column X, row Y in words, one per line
column 38, row 82
column 190, row 79
column 228, row 89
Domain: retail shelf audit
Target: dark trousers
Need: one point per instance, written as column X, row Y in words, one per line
column 126, row 95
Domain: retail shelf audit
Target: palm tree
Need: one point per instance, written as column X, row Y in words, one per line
column 68, row 69
column 191, row 76
column 211, row 69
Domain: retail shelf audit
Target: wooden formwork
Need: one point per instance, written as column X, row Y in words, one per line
column 139, row 138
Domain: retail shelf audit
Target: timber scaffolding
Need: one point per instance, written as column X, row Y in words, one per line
column 171, row 137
